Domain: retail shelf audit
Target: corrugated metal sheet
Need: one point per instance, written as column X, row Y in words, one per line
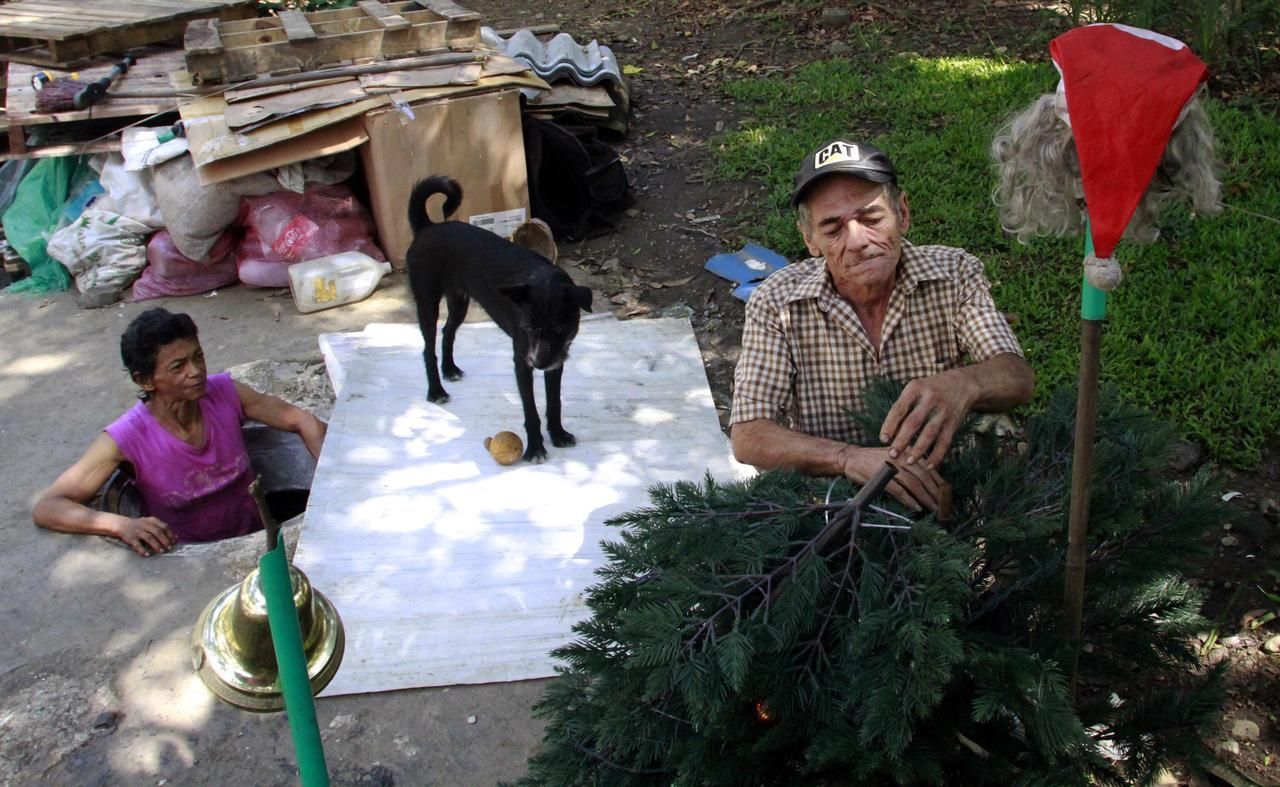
column 560, row 58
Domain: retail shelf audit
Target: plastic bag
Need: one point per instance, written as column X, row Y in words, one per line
column 172, row 273
column 196, row 215
column 128, row 193
column 322, row 171
column 35, row 214
column 284, row 228
column 11, row 174
column 103, row 250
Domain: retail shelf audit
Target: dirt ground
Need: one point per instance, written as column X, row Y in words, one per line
column 95, row 679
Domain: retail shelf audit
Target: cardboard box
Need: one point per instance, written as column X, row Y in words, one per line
column 476, row 140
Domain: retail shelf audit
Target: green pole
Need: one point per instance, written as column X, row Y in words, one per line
column 1093, row 310
column 286, row 636
column 1093, row 301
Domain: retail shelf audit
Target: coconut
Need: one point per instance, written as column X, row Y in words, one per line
column 505, row 447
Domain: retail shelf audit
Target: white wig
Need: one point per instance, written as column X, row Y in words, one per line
column 1040, row 191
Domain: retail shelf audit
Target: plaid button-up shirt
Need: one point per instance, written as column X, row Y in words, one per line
column 806, row 358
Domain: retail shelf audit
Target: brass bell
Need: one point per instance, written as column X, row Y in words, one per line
column 233, row 652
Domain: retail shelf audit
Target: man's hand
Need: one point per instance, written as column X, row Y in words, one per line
column 147, row 536
column 921, row 424
column 915, row 486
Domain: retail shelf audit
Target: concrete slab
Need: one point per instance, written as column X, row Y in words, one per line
column 96, row 684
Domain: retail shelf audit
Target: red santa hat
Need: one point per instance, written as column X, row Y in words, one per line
column 1125, row 89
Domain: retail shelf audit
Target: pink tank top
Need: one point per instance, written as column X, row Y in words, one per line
column 202, row 493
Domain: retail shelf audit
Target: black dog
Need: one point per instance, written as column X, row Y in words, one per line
column 535, row 302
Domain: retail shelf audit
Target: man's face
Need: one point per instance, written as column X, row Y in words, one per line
column 853, row 224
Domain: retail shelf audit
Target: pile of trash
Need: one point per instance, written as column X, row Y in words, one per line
column 110, row 222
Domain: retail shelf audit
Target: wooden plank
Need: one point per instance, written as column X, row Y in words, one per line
column 343, row 35
column 451, row 11
column 382, row 15
column 333, row 16
column 17, row 140
column 413, row 531
column 271, row 31
column 39, row 27
column 112, row 145
column 201, row 38
column 251, row 93
column 34, row 13
column 74, row 30
column 236, row 64
column 296, row 26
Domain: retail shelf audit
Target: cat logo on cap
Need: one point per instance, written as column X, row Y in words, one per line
column 835, row 153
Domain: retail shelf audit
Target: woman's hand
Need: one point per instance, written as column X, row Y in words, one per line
column 147, row 535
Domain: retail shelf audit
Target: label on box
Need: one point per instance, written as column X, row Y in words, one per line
column 503, row 222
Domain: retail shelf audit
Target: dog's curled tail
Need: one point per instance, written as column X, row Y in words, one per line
column 424, row 190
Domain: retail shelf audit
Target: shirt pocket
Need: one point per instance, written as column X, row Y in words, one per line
column 924, row 356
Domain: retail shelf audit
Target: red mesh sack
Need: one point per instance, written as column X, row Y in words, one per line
column 169, row 272
column 285, row 227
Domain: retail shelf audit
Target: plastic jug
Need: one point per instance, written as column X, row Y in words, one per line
column 335, row 280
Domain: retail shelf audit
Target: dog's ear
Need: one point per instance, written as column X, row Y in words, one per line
column 579, row 296
column 516, row 292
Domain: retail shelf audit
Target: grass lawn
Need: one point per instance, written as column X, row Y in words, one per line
column 1193, row 332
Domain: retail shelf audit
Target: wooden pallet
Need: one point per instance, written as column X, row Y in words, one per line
column 294, row 42
column 62, row 33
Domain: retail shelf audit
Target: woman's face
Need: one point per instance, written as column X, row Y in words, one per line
column 180, row 373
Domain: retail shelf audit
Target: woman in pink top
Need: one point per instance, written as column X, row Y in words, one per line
column 183, row 440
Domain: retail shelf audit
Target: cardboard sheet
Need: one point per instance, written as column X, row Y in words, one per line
column 212, row 139
column 321, row 142
column 447, row 568
column 476, row 140
column 463, row 74
column 246, row 115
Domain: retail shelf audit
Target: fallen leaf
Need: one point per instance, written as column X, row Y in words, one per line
column 675, row 282
column 631, row 311
column 632, row 70
column 1229, row 496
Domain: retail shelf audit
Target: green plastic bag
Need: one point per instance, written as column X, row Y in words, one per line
column 35, row 214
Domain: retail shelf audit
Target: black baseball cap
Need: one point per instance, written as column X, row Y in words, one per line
column 844, row 157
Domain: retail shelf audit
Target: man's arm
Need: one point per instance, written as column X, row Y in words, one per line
column 62, row 506
column 921, row 424
column 279, row 414
column 767, row 444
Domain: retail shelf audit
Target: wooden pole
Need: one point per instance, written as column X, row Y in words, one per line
column 1081, row 470
column 1093, row 310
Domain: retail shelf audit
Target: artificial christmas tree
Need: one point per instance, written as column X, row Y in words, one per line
column 769, row 632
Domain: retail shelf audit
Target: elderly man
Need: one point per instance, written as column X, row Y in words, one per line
column 868, row 304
